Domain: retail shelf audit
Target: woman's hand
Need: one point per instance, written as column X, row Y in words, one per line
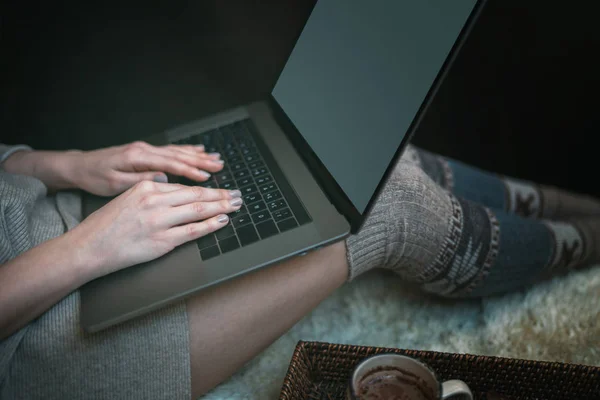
column 111, row 171
column 148, row 221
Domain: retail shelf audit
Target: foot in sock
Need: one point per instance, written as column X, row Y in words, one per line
column 458, row 248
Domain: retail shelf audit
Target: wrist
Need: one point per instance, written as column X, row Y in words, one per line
column 87, row 265
column 57, row 169
column 67, row 167
column 15, row 163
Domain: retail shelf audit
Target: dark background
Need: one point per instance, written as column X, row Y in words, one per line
column 520, row 100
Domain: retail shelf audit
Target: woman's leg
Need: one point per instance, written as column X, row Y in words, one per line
column 520, row 197
column 233, row 322
column 457, row 248
column 442, row 243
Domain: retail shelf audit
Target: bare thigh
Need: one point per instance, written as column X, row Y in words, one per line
column 233, row 322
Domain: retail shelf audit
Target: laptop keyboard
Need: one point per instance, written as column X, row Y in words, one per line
column 270, row 204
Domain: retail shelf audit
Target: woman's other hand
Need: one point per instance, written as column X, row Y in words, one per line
column 148, row 221
column 111, row 171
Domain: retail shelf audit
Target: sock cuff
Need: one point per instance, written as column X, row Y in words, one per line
column 367, row 249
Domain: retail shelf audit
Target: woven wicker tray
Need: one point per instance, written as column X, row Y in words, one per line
column 320, row 371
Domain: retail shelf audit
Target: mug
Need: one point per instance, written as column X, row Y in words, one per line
column 397, row 377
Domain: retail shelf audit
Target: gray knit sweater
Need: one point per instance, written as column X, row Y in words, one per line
column 51, row 358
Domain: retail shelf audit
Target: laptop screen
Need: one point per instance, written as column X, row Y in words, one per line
column 357, row 76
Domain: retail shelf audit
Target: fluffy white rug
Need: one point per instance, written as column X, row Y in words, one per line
column 553, row 321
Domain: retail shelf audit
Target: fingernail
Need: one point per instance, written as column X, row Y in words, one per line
column 236, row 202
column 215, row 154
column 205, row 174
column 222, row 218
column 219, row 161
column 161, row 178
column 200, row 146
column 235, row 193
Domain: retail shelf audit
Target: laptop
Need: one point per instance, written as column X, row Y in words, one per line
column 311, row 158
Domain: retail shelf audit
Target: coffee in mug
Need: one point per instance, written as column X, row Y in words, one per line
column 397, row 377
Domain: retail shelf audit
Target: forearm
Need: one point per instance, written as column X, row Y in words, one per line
column 36, row 280
column 54, row 168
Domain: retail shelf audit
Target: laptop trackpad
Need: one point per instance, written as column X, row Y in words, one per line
column 141, row 288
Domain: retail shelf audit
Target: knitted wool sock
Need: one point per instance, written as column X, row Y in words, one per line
column 457, row 248
column 523, row 198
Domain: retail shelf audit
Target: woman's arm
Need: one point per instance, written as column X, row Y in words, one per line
column 144, row 223
column 55, row 168
column 110, row 171
column 37, row 279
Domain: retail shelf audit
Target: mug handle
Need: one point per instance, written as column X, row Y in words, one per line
column 456, row 388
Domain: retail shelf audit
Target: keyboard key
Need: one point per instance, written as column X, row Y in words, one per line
column 276, row 205
column 248, row 150
column 255, row 164
column 211, row 149
column 244, row 181
column 241, row 220
column 235, row 160
column 256, row 207
column 248, row 189
column 263, row 179
column 272, row 196
column 287, row 224
column 206, row 241
column 259, row 171
column 251, row 157
column 261, row 216
column 229, row 185
column 210, row 252
column 268, row 187
column 280, row 215
column 230, row 153
column 209, row 184
column 267, row 229
column 208, row 138
column 228, row 146
column 229, row 244
column 251, row 198
column 241, row 174
column 225, row 232
column 223, row 177
column 240, row 211
column 247, row 235
column 244, row 143
column 237, row 167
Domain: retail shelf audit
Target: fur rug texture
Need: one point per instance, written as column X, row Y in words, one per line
column 553, row 321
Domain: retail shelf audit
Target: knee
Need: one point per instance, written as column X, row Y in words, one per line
column 410, row 184
column 418, row 214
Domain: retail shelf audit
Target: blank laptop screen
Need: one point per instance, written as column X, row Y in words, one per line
column 357, row 77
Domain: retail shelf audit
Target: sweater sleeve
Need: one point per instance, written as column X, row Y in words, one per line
column 6, row 151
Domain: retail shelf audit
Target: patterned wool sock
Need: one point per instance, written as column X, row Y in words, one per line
column 457, row 248
column 523, row 198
